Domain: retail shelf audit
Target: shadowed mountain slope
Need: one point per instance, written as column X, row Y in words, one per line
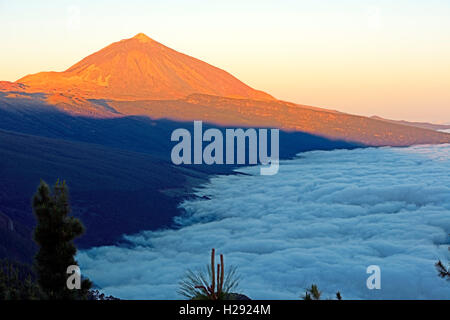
column 224, row 112
column 132, row 133
column 118, row 170
column 113, row 191
column 284, row 115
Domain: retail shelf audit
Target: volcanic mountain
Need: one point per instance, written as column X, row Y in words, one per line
column 142, row 69
column 141, row 77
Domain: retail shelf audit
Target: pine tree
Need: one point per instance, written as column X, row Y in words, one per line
column 17, row 282
column 312, row 293
column 54, row 233
column 443, row 271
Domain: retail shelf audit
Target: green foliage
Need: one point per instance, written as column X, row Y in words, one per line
column 443, row 271
column 209, row 285
column 54, row 234
column 17, row 282
column 312, row 293
column 97, row 295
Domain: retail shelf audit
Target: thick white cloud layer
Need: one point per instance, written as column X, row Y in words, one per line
column 323, row 219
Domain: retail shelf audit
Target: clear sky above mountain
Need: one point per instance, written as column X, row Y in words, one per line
column 365, row 57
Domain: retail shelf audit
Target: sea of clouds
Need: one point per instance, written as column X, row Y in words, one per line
column 323, row 219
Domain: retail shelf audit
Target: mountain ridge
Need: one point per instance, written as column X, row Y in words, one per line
column 424, row 125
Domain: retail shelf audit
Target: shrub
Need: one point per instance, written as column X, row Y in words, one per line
column 212, row 283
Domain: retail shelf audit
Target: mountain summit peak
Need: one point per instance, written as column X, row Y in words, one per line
column 142, row 37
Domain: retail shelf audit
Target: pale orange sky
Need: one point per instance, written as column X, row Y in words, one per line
column 362, row 57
